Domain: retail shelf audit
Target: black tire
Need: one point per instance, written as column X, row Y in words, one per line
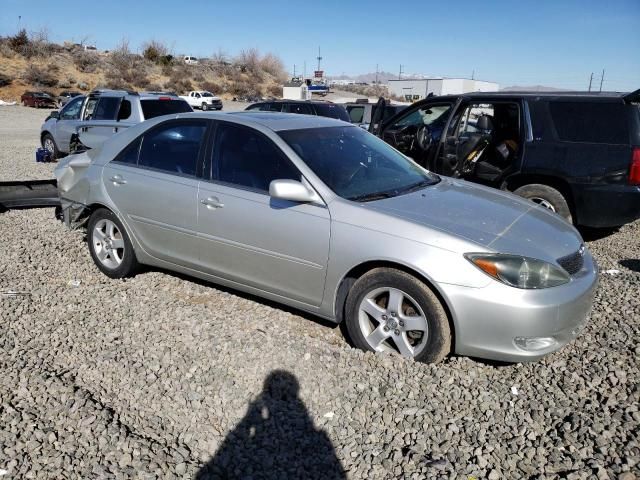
column 547, row 197
column 438, row 340
column 129, row 264
column 205, row 106
column 48, row 143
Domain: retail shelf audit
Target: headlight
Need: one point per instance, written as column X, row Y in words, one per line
column 517, row 271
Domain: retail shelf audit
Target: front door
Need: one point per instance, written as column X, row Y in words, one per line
column 417, row 132
column 67, row 123
column 154, row 184
column 278, row 246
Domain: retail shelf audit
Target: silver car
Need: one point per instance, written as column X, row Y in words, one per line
column 322, row 216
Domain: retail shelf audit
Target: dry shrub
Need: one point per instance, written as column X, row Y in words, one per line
column 5, row 80
column 248, row 60
column 212, row 86
column 198, row 77
column 114, row 80
column 273, row 66
column 154, row 87
column 179, row 84
column 274, row 90
column 19, row 41
column 154, row 51
column 39, row 77
column 86, row 62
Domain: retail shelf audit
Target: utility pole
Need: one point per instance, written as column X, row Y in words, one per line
column 473, row 75
column 376, row 73
column 319, row 58
column 304, row 70
column 590, row 80
column 294, row 70
column 400, row 73
column 601, row 79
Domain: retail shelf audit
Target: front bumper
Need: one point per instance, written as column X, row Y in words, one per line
column 491, row 322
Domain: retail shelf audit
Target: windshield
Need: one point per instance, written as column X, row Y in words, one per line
column 355, row 164
column 155, row 108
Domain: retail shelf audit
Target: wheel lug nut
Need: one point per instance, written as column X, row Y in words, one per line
column 385, row 328
column 393, row 314
column 401, row 323
column 384, row 317
column 397, row 332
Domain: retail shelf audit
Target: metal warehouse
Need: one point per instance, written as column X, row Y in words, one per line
column 416, row 89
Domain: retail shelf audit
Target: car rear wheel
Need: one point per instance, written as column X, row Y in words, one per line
column 110, row 246
column 49, row 144
column 547, row 197
column 205, row 106
column 390, row 310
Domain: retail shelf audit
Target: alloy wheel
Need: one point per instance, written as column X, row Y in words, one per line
column 543, row 203
column 390, row 320
column 49, row 146
column 108, row 243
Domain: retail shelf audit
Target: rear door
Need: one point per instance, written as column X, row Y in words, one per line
column 274, row 245
column 154, row 184
column 99, row 116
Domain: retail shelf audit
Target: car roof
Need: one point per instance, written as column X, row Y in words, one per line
column 531, row 94
column 275, row 121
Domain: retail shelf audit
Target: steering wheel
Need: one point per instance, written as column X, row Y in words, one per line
column 424, row 138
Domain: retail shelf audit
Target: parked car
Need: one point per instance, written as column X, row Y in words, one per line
column 305, row 107
column 322, row 216
column 65, row 96
column 38, row 100
column 577, row 154
column 362, row 111
column 88, row 121
column 203, row 100
column 189, row 60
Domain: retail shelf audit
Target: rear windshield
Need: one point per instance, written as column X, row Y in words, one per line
column 590, row 122
column 332, row 111
column 154, row 108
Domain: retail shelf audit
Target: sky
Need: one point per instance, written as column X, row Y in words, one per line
column 515, row 42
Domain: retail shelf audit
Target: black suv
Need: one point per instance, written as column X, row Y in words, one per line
column 577, row 154
column 305, row 107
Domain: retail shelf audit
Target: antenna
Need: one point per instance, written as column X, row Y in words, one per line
column 601, row 79
column 400, row 72
column 319, row 57
column 590, row 80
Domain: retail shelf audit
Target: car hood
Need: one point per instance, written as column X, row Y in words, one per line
column 495, row 220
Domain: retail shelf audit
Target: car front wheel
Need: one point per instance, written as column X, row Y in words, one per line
column 547, row 197
column 49, row 144
column 205, row 107
column 110, row 246
column 391, row 310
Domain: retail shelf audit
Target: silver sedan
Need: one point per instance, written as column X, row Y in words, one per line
column 322, row 216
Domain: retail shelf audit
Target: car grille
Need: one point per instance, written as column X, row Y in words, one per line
column 573, row 263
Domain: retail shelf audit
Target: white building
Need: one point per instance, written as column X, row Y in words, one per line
column 417, row 89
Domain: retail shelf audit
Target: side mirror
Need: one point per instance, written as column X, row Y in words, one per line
column 55, row 114
column 292, row 190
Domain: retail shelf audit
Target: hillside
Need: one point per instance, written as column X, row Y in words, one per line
column 28, row 63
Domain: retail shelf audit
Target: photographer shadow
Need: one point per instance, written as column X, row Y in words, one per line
column 275, row 439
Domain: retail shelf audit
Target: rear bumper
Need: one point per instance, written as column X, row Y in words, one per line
column 493, row 322
column 602, row 206
column 28, row 194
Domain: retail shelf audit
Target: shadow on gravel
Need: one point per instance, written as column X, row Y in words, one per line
column 590, row 234
column 631, row 264
column 276, row 439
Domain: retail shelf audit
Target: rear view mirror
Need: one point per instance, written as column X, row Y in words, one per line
column 55, row 114
column 292, row 190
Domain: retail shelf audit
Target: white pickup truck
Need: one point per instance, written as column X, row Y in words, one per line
column 203, row 99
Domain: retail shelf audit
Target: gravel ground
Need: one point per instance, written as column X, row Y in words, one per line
column 163, row 376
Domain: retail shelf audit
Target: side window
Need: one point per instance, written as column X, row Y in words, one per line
column 244, row 157
column 173, row 147
column 125, row 110
column 89, row 109
column 107, row 108
column 430, row 115
column 254, row 107
column 71, row 110
column 130, row 154
column 301, row 108
column 590, row 122
column 273, row 107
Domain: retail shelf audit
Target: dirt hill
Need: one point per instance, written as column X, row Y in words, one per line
column 30, row 63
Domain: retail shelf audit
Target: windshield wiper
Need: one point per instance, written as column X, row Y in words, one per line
column 415, row 186
column 368, row 197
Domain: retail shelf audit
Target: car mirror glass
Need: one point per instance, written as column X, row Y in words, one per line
column 55, row 114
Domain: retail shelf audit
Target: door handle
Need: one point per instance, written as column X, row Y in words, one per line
column 118, row 180
column 115, row 129
column 211, row 203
